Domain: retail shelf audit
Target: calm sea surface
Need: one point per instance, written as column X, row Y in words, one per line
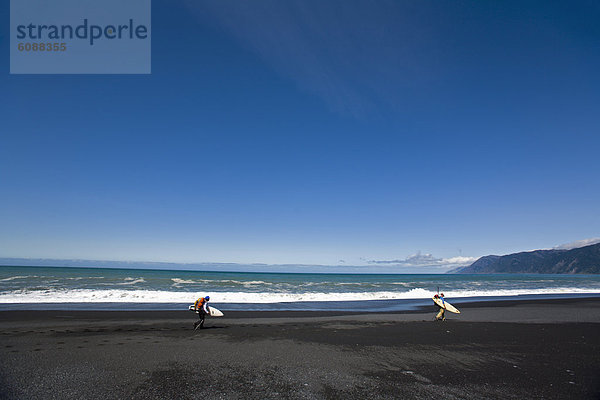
column 102, row 288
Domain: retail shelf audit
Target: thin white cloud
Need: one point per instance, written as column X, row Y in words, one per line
column 426, row 260
column 578, row 243
column 354, row 56
column 460, row 260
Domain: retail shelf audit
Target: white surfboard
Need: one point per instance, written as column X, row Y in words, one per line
column 446, row 305
column 213, row 311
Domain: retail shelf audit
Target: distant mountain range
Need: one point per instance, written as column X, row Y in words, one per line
column 582, row 260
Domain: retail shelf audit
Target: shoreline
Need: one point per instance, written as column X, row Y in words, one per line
column 353, row 307
column 566, row 310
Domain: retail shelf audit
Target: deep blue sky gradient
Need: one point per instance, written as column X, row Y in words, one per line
column 313, row 132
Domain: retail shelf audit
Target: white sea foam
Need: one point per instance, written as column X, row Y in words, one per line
column 243, row 283
column 160, row 296
column 130, row 281
column 250, row 284
column 350, row 284
column 78, row 278
column 178, row 281
column 12, row 278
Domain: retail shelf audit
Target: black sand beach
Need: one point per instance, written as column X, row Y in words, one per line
column 514, row 349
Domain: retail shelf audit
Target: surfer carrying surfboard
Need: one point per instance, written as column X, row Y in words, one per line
column 201, row 306
column 442, row 308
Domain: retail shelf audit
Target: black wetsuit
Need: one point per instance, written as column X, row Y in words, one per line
column 202, row 311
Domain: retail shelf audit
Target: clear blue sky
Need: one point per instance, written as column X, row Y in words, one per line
column 313, row 132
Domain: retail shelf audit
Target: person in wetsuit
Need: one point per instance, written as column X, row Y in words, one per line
column 201, row 307
column 442, row 310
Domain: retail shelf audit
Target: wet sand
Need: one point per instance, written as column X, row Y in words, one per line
column 514, row 349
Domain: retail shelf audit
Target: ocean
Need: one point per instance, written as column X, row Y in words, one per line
column 40, row 288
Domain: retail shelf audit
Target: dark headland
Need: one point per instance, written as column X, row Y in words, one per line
column 535, row 349
column 581, row 260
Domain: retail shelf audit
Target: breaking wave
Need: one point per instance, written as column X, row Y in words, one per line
column 127, row 282
column 162, row 296
column 12, row 278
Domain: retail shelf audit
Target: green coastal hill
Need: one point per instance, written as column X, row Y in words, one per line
column 582, row 260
